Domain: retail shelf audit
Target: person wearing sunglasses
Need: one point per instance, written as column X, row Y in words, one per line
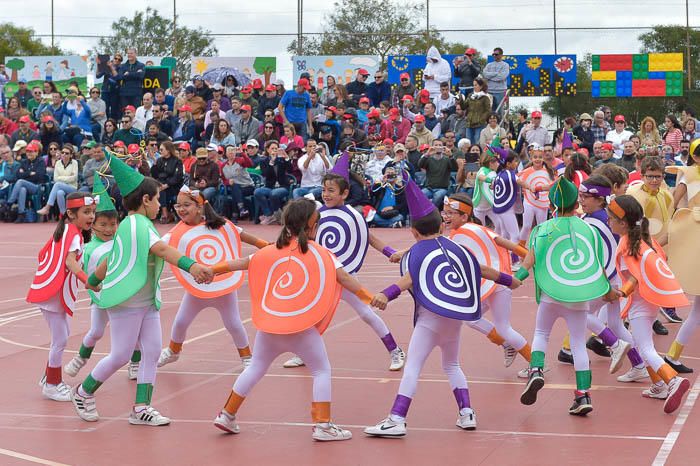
column 98, row 110
column 379, row 90
column 496, row 74
column 34, row 102
column 467, row 69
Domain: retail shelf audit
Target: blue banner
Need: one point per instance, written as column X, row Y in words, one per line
column 414, row 66
column 541, row 75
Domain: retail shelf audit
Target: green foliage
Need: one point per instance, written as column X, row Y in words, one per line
column 375, row 27
column 20, row 41
column 265, row 66
column 152, row 34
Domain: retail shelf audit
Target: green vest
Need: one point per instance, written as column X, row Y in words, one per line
column 569, row 263
column 127, row 267
column 482, row 188
column 93, row 253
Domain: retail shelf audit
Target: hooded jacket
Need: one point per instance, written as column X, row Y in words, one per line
column 440, row 70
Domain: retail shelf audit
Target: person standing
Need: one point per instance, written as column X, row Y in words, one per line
column 295, row 108
column 496, row 74
column 131, row 76
column 436, row 71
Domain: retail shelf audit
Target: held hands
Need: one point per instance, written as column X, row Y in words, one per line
column 613, row 295
column 95, row 288
column 516, row 284
column 396, row 257
column 201, row 273
column 379, row 301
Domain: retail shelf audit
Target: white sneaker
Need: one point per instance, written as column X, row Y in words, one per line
column 296, row 361
column 42, row 380
column 525, row 373
column 148, row 417
column 132, row 370
column 509, row 355
column 398, row 359
column 246, row 361
column 227, row 423
column 74, row 365
column 656, row 391
column 635, row 374
column 328, row 432
column 617, row 355
column 467, row 421
column 167, row 356
column 85, row 406
column 677, row 388
column 60, row 392
column 387, row 428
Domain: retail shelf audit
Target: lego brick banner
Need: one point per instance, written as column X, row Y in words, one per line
column 244, row 69
column 541, row 75
column 414, row 66
column 342, row 67
column 62, row 70
column 637, row 75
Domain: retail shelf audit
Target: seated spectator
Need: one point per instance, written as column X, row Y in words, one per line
column 313, row 165
column 233, row 115
column 457, row 122
column 275, row 167
column 218, row 96
column 423, row 134
column 49, row 132
column 162, row 119
column 184, row 153
column 247, row 126
column 438, row 167
column 405, row 87
column 166, row 101
column 185, row 127
column 14, row 109
column 24, row 132
column 168, row 171
column 65, row 181
column 248, row 99
column 267, row 133
column 445, row 101
column 268, row 102
column 375, row 165
column 9, row 168
column 389, row 200
column 127, row 133
column 606, row 155
column 372, row 126
column 30, row 175
column 222, row 135
column 108, row 132
column 137, row 159
column 252, row 148
column 7, row 126
column 204, row 174
column 154, row 132
column 491, row 130
column 201, row 88
column 55, row 108
column 290, row 138
column 52, row 157
column 240, row 184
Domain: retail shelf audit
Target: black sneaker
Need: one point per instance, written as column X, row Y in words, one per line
column 582, row 405
column 670, row 314
column 565, row 357
column 659, row 328
column 597, row 347
column 680, row 367
column 534, row 384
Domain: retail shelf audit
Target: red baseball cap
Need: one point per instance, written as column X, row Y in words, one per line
column 619, row 118
column 419, row 119
column 130, row 107
column 257, row 83
column 332, row 109
column 363, row 72
column 470, row 51
column 536, row 114
column 405, row 76
column 24, row 119
column 407, row 97
column 247, row 89
column 424, row 96
column 46, row 118
column 394, row 114
column 119, row 144
column 373, row 114
column 424, row 147
column 133, row 148
column 364, row 99
column 271, row 88
column 184, row 146
column 303, row 82
column 607, row 146
column 388, row 142
column 33, row 147
column 185, row 108
column 246, row 108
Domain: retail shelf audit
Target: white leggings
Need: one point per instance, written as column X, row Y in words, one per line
column 641, row 326
column 366, row 313
column 307, row 344
column 609, row 313
column 432, row 330
column 507, row 225
column 60, row 330
column 227, row 305
column 500, row 305
column 481, row 213
column 98, row 323
column 129, row 326
column 547, row 314
column 690, row 324
column 531, row 213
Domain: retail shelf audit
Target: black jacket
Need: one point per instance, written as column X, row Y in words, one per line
column 277, row 173
column 358, row 194
column 33, row 171
column 168, row 171
column 131, row 83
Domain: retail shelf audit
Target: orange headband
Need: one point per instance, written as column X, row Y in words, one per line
column 616, row 209
column 463, row 207
column 194, row 194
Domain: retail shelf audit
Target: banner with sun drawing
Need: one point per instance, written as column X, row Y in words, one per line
column 541, row 75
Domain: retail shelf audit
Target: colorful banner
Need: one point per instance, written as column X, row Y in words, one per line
column 414, row 66
column 342, row 67
column 541, row 75
column 244, row 69
column 99, row 64
column 59, row 69
column 637, row 75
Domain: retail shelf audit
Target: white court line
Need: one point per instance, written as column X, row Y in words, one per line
column 675, row 431
column 33, row 459
column 357, row 426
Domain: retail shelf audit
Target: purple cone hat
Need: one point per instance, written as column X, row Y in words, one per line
column 342, row 166
column 566, row 141
column 418, row 205
column 501, row 152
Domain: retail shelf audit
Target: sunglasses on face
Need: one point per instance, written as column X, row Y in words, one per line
column 67, row 152
column 269, row 127
column 495, row 54
column 94, row 92
column 378, row 77
column 124, row 122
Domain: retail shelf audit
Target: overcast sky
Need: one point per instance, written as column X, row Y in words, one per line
column 280, row 16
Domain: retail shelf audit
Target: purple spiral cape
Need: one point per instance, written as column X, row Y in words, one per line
column 343, row 231
column 448, row 286
column 599, row 220
column 505, row 191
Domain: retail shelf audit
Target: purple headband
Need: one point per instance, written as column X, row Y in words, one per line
column 595, row 190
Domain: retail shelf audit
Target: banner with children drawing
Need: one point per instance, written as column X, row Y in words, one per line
column 62, row 70
column 342, row 67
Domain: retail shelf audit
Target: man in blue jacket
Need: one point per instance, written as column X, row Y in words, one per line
column 131, row 75
column 379, row 90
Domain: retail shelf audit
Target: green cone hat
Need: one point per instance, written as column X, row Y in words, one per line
column 98, row 189
column 127, row 178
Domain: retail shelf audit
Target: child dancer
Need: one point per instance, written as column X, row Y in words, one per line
column 483, row 196
column 211, row 238
column 648, row 283
column 343, row 231
column 444, row 279
column 505, row 192
column 294, row 286
column 104, row 227
column 55, row 285
column 566, row 255
column 536, row 180
column 131, row 295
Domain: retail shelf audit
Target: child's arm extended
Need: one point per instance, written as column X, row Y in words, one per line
column 73, row 266
column 511, row 246
column 231, row 266
column 254, row 240
column 381, row 246
column 201, row 273
column 392, row 292
column 489, row 273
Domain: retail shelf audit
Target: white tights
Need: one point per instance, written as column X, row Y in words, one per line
column 690, row 324
column 98, row 323
column 60, row 330
column 547, row 314
column 641, row 326
column 366, row 313
column 227, row 305
column 500, row 305
column 531, row 213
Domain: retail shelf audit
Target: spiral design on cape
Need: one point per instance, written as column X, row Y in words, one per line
column 609, row 244
column 345, row 235
column 483, row 248
column 657, row 275
column 504, row 190
column 444, row 287
column 535, row 179
column 573, row 267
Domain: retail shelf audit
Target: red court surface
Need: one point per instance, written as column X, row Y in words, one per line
column 623, row 429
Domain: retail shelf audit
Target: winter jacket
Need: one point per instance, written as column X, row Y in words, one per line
column 131, row 77
column 467, row 73
column 66, row 174
column 168, row 171
column 32, row 170
column 276, row 173
column 440, row 70
column 378, row 93
column 209, row 172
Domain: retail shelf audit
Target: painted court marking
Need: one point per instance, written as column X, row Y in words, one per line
column 678, row 424
column 33, row 459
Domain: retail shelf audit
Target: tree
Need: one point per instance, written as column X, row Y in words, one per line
column 265, row 66
column 18, row 41
column 152, row 34
column 15, row 65
column 672, row 39
column 374, row 27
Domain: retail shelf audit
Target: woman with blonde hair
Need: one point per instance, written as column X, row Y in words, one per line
column 649, row 132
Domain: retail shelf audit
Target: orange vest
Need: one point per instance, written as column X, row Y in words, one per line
column 534, row 178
